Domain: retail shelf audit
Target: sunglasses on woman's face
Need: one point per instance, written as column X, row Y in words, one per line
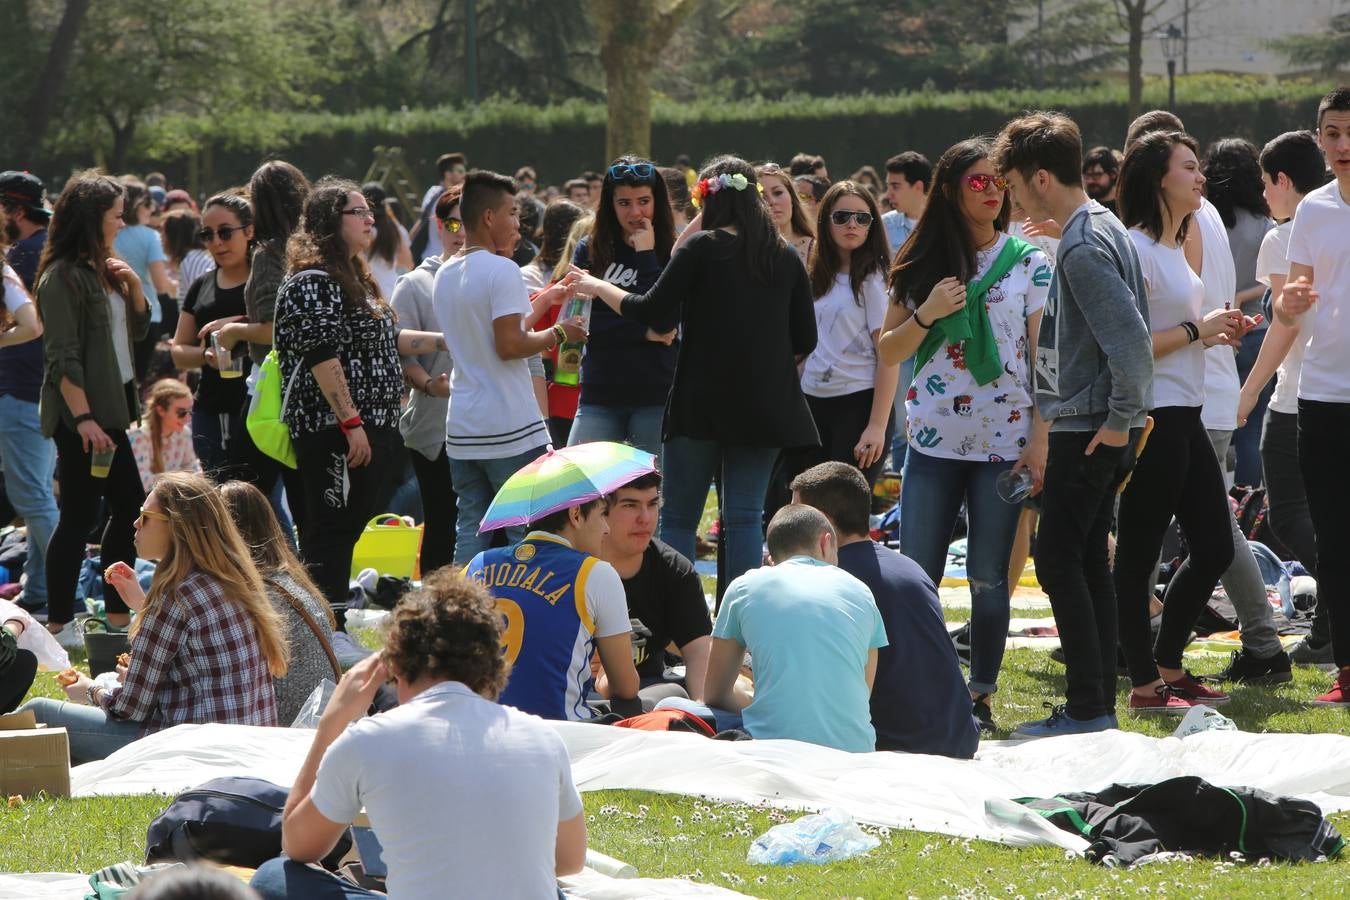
column 151, row 514
column 224, row 232
column 452, row 224
column 841, row 217
column 980, row 183
column 182, row 413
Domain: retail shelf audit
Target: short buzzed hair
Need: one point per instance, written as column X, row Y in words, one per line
column 483, row 190
column 840, row 491
column 1153, row 120
column 1336, row 101
column 1040, row 140
column 794, row 530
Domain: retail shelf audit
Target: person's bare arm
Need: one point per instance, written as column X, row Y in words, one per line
column 187, row 353
column 720, row 687
column 870, row 670
column 1298, row 295
column 418, row 343
column 423, row 381
column 569, row 854
column 616, row 658
column 513, row 342
column 695, row 656
column 239, row 332
column 27, row 327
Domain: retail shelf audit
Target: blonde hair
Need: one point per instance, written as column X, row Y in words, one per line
column 164, row 392
column 580, row 229
column 203, row 538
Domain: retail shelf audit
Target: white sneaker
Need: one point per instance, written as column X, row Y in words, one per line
column 71, row 636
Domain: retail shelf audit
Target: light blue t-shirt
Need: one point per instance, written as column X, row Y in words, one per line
column 139, row 246
column 809, row 626
column 898, row 228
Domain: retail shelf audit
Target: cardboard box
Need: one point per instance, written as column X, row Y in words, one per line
column 33, row 757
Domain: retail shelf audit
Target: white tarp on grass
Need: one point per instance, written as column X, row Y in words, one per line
column 927, row 793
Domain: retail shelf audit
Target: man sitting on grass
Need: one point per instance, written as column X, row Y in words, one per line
column 469, row 798
column 919, row 699
column 665, row 597
column 813, row 631
column 561, row 603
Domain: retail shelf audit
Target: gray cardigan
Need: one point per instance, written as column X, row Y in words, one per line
column 309, row 663
column 423, row 421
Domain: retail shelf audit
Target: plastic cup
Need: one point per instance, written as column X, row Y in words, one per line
column 1014, row 485
column 231, row 365
column 100, row 462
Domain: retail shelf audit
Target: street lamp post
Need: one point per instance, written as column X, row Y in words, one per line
column 1173, row 42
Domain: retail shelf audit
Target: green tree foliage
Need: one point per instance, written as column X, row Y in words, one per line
column 1327, row 51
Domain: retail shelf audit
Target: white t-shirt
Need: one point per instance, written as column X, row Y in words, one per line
column 1321, row 239
column 950, row 414
column 121, row 338
column 1175, row 295
column 845, row 358
column 1219, row 273
column 15, row 295
column 465, row 795
column 1273, row 259
column 493, row 413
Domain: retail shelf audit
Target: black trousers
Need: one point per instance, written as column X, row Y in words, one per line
column 439, row 509
column 248, row 463
column 1077, row 504
column 339, row 500
column 80, row 496
column 1289, row 516
column 16, row 679
column 840, row 422
column 1177, row 475
column 1323, row 435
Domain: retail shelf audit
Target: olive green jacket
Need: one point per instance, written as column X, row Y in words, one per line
column 78, row 344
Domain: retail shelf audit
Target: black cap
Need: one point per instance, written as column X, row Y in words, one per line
column 24, row 189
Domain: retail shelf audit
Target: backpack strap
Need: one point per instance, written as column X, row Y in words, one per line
column 299, row 607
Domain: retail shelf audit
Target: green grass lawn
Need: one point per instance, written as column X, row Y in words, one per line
column 673, row 836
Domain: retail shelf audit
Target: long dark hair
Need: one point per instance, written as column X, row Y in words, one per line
column 277, row 191
column 745, row 211
column 180, row 232
column 941, row 245
column 75, row 233
column 607, row 233
column 559, row 217
column 800, row 223
column 386, row 231
column 1139, row 190
column 873, row 256
column 1233, row 179
column 137, row 196
column 318, row 244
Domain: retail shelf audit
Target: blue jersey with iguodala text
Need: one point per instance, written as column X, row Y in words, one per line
column 548, row 635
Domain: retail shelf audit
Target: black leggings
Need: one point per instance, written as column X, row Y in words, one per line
column 1177, row 475
column 80, row 496
column 16, row 680
column 1323, row 434
column 438, row 508
column 339, row 500
column 248, row 463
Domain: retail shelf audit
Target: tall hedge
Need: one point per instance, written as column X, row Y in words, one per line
column 562, row 140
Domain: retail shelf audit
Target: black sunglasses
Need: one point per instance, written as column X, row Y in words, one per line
column 635, row 172
column 224, row 232
column 841, row 217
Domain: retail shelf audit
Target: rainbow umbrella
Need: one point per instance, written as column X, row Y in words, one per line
column 563, row 478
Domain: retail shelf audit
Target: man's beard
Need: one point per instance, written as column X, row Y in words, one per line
column 11, row 231
column 1097, row 191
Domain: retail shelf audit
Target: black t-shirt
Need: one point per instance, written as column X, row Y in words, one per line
column 666, row 605
column 206, row 303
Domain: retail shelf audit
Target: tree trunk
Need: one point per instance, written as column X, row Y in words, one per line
column 631, row 35
column 1135, row 55
column 121, row 146
column 48, row 84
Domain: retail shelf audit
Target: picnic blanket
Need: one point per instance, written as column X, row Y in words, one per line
column 929, row 793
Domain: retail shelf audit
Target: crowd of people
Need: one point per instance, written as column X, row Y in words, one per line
column 1123, row 335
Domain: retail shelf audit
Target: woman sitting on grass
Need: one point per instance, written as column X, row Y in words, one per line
column 162, row 442
column 307, row 619
column 205, row 644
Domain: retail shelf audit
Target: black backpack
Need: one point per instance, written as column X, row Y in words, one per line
column 233, row 821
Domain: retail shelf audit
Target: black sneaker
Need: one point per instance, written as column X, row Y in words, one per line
column 1248, row 668
column 979, row 708
column 1306, row 653
column 961, row 641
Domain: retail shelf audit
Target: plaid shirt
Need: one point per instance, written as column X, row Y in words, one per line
column 195, row 659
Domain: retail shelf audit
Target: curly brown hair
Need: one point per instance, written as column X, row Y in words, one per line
column 448, row 629
column 317, row 244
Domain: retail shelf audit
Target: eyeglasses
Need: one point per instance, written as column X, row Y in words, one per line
column 452, row 224
column 806, row 198
column 841, row 217
column 634, row 172
column 151, row 514
column 979, row 183
column 224, row 232
column 458, row 170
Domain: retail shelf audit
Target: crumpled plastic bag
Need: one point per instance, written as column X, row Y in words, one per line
column 1203, row 718
column 823, row 837
column 312, row 709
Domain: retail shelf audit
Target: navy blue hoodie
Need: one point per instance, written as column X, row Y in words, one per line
column 621, row 367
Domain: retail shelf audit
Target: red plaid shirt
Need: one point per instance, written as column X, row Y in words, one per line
column 195, row 659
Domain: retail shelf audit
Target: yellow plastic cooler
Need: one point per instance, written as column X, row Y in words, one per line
column 390, row 545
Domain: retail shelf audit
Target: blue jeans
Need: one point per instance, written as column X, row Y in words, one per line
column 1247, row 439
column 93, row 734
column 284, row 879
column 636, row 425
column 210, row 436
column 476, row 482
column 689, row 468
column 930, row 500
column 30, row 460
column 900, row 441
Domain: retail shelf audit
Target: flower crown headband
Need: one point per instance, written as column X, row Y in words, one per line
column 707, row 186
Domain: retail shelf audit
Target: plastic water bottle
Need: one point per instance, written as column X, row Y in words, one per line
column 1014, row 485
column 828, row 836
column 568, row 369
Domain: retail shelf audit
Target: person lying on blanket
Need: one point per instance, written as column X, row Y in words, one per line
column 813, row 631
column 469, row 798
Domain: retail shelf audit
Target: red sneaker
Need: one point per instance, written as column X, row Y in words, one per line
column 1339, row 695
column 1164, row 700
column 1188, row 687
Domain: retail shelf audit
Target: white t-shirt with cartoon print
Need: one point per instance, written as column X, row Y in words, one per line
column 950, row 414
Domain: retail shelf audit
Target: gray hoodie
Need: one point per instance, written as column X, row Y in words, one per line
column 423, row 422
column 1094, row 359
